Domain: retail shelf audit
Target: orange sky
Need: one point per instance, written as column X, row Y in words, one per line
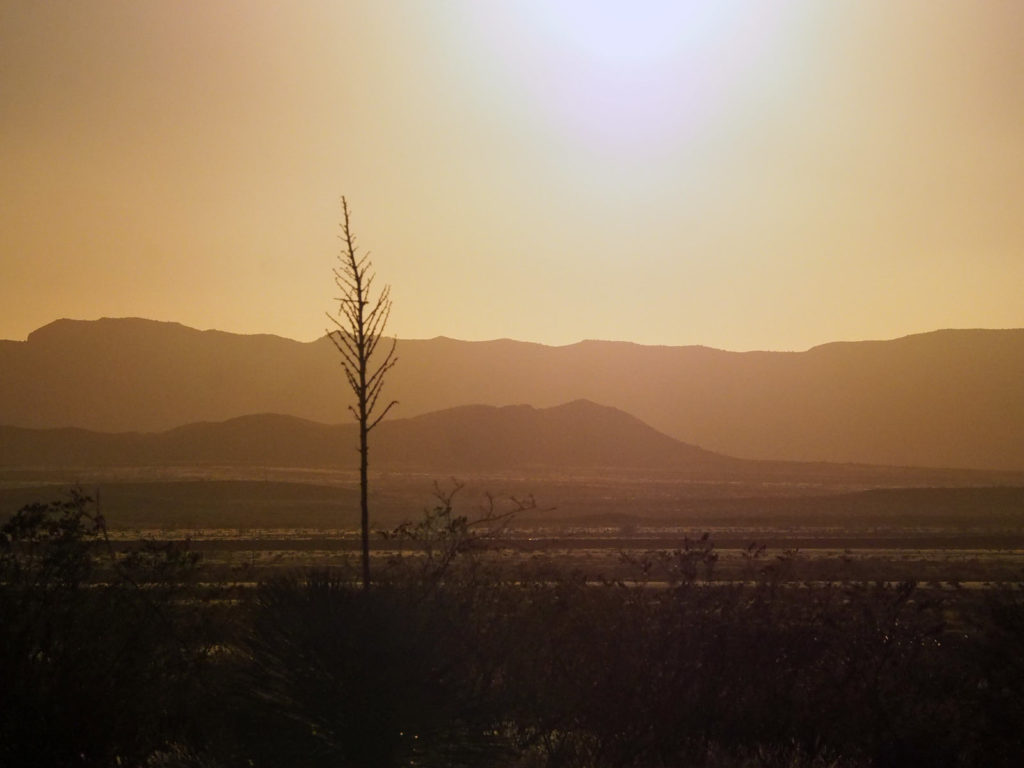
column 739, row 174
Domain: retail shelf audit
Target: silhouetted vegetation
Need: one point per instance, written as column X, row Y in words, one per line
column 359, row 328
column 102, row 660
column 449, row 660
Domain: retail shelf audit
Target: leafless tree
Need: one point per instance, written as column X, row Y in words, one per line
column 359, row 327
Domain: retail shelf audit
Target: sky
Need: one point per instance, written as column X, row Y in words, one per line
column 744, row 175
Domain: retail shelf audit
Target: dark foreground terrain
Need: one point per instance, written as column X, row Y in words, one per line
column 850, row 628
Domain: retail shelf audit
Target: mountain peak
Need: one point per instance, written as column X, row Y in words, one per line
column 949, row 398
column 71, row 330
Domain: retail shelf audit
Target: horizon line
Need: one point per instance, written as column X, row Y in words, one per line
column 506, row 339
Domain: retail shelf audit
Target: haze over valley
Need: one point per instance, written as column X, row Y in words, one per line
column 947, row 399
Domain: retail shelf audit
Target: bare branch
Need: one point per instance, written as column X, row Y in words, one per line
column 349, row 355
column 359, row 325
column 376, row 389
column 350, row 376
column 383, row 413
column 377, row 321
column 384, row 367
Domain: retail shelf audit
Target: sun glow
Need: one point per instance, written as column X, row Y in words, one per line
column 738, row 173
column 632, row 76
column 634, row 36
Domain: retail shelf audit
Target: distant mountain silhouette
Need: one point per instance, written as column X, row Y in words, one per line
column 943, row 399
column 578, row 435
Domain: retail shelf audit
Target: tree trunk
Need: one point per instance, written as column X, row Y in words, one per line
column 364, row 509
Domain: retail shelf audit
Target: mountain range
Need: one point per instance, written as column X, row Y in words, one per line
column 577, row 435
column 575, row 441
column 950, row 398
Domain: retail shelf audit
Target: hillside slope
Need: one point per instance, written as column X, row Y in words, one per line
column 464, row 439
column 943, row 399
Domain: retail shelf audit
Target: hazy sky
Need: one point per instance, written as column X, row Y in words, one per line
column 739, row 174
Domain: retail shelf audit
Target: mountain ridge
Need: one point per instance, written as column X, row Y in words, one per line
column 580, row 434
column 947, row 398
column 571, row 440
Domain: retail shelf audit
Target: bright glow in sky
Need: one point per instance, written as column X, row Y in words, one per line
column 770, row 174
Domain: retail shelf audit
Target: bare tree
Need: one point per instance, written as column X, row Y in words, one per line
column 359, row 327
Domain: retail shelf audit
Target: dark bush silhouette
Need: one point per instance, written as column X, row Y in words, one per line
column 465, row 660
column 98, row 663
